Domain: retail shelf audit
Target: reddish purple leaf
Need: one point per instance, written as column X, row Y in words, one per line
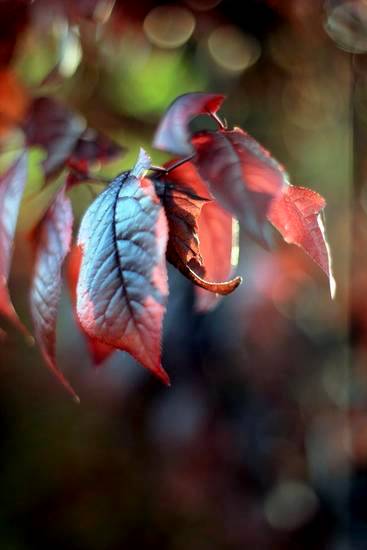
column 241, row 175
column 63, row 135
column 296, row 215
column 93, row 146
column 98, row 350
column 215, row 236
column 122, row 287
column 54, row 127
column 51, row 240
column 12, row 184
column 173, row 131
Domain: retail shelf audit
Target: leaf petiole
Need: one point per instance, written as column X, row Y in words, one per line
column 173, row 166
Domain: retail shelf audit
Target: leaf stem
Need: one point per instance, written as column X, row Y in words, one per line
column 221, row 125
column 172, row 167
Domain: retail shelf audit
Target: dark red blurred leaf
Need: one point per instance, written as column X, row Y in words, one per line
column 93, row 146
column 296, row 215
column 12, row 184
column 122, row 287
column 173, row 131
column 63, row 135
column 98, row 350
column 51, row 241
column 215, row 236
column 241, row 175
column 55, row 128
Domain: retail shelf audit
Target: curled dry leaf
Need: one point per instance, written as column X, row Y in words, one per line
column 12, row 184
column 183, row 194
column 51, row 242
column 185, row 198
column 122, row 287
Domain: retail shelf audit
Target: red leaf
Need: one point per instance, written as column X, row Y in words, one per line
column 241, row 175
column 122, row 287
column 51, row 239
column 98, row 350
column 215, row 236
column 296, row 215
column 173, row 133
column 12, row 184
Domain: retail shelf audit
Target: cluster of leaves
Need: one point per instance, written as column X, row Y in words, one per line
column 182, row 212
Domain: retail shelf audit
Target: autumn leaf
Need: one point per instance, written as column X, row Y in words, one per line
column 183, row 195
column 98, row 350
column 51, row 242
column 296, row 215
column 122, row 287
column 12, row 184
column 241, row 175
column 172, row 134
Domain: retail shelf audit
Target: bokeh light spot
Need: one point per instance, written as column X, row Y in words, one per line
column 169, row 26
column 346, row 24
column 290, row 504
column 233, row 50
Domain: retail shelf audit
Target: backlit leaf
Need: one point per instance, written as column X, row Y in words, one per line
column 241, row 175
column 216, row 238
column 296, row 215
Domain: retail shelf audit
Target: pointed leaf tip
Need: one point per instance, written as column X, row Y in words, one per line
column 142, row 164
column 51, row 241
